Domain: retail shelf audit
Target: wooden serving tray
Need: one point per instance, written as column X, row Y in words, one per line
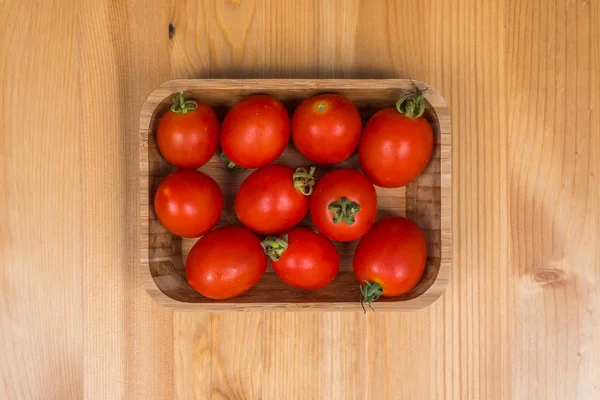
column 427, row 200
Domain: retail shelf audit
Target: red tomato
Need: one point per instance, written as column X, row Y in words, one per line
column 326, row 128
column 273, row 198
column 188, row 134
column 255, row 131
column 390, row 259
column 343, row 206
column 225, row 262
column 396, row 144
column 303, row 258
column 188, row 203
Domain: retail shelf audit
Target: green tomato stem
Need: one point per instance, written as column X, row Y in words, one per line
column 344, row 210
column 180, row 105
column 231, row 166
column 304, row 180
column 274, row 246
column 369, row 291
column 412, row 105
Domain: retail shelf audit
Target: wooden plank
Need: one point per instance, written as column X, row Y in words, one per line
column 131, row 340
column 76, row 322
column 193, row 356
column 553, row 129
column 305, row 366
column 41, row 205
column 214, row 365
column 102, row 147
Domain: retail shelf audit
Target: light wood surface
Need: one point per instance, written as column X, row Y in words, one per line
column 520, row 317
column 426, row 200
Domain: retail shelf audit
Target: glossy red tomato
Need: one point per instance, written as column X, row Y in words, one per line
column 188, row 203
column 273, row 198
column 390, row 259
column 255, row 131
column 343, row 206
column 225, row 262
column 188, row 134
column 326, row 128
column 303, row 258
column 396, row 144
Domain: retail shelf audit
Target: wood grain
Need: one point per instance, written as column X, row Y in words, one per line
column 426, row 200
column 553, row 200
column 72, row 302
column 519, row 319
column 36, row 291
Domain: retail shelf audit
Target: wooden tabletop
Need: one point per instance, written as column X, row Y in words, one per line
column 520, row 317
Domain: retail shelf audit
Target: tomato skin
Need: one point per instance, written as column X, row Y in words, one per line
column 310, row 262
column 188, row 203
column 335, row 185
column 190, row 139
column 267, row 201
column 255, row 131
column 326, row 128
column 392, row 254
column 225, row 262
column 394, row 149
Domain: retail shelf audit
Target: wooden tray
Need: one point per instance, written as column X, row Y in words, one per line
column 425, row 201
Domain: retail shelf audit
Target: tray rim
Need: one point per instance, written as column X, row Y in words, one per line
column 168, row 88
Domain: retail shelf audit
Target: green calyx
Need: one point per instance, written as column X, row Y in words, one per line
column 274, row 246
column 180, row 105
column 231, row 166
column 412, row 105
column 304, row 180
column 344, row 210
column 369, row 291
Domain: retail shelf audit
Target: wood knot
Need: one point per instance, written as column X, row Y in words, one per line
column 171, row 31
column 547, row 276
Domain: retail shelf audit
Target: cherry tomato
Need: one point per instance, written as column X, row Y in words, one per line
column 255, row 131
column 188, row 203
column 225, row 262
column 273, row 198
column 326, row 128
column 396, row 144
column 303, row 258
column 390, row 259
column 343, row 206
column 188, row 134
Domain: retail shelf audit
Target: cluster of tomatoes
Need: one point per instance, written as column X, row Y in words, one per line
column 393, row 149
